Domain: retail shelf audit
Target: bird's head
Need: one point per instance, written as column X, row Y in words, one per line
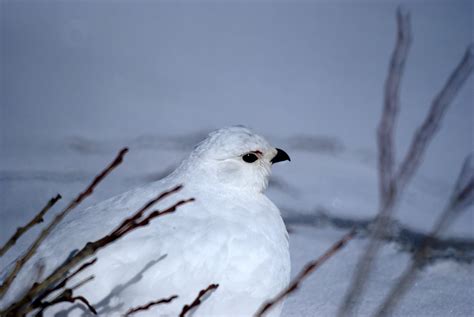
column 236, row 157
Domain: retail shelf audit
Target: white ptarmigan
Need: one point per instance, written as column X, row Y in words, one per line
column 232, row 235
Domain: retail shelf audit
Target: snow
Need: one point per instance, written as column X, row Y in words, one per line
column 80, row 80
column 442, row 289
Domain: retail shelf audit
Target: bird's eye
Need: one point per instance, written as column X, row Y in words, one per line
column 249, row 157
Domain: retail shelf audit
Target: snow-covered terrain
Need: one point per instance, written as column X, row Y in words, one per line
column 80, row 80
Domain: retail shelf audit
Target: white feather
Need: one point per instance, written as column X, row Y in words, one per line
column 232, row 235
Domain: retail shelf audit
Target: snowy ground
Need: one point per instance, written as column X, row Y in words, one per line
column 80, row 80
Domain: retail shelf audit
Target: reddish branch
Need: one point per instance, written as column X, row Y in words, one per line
column 303, row 274
column 36, row 220
column 62, row 283
column 135, row 221
column 150, row 304
column 65, row 296
column 197, row 300
column 36, row 297
column 59, row 217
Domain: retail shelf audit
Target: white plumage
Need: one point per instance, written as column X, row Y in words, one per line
column 232, row 234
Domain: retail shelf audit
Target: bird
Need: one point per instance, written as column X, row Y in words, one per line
column 231, row 235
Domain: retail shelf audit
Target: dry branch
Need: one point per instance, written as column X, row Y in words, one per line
column 461, row 198
column 135, row 221
column 303, row 274
column 150, row 304
column 22, row 230
column 432, row 122
column 391, row 193
column 82, row 282
column 59, row 217
column 197, row 300
column 386, row 149
column 62, row 283
column 385, row 131
column 65, row 296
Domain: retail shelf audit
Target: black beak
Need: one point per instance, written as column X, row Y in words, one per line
column 280, row 156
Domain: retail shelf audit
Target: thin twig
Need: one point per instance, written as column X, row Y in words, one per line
column 385, row 135
column 197, row 300
column 82, row 282
column 22, row 230
column 385, row 131
column 432, row 122
column 462, row 197
column 463, row 194
column 63, row 282
column 85, row 302
column 308, row 269
column 65, row 296
column 150, row 304
column 42, row 304
column 59, row 217
column 128, row 225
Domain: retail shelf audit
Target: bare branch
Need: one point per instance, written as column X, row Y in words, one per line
column 303, row 274
column 128, row 225
column 65, row 296
column 391, row 194
column 150, row 304
column 59, row 217
column 462, row 197
column 64, row 281
column 82, row 282
column 385, row 131
column 22, row 230
column 463, row 194
column 85, row 302
column 432, row 122
column 80, row 269
column 197, row 300
column 134, row 221
column 385, row 134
